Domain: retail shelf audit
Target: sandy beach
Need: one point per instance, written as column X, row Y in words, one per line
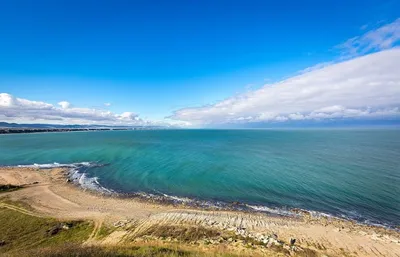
column 48, row 194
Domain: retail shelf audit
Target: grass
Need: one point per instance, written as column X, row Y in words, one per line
column 26, row 235
column 104, row 231
column 23, row 234
column 136, row 251
column 20, row 231
column 19, row 204
column 9, row 188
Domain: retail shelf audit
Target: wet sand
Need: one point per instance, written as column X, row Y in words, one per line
column 49, row 194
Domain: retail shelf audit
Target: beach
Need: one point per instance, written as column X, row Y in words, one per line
column 49, row 194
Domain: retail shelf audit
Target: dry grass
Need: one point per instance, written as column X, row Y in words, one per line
column 119, row 251
column 182, row 233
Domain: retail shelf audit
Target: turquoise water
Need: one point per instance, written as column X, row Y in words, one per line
column 346, row 173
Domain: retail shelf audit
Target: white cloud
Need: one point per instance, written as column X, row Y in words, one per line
column 9, row 101
column 64, row 104
column 128, row 116
column 364, row 87
column 378, row 39
column 23, row 110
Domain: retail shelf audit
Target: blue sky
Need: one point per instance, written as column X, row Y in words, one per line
column 160, row 59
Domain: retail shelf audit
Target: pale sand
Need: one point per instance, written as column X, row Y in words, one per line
column 53, row 196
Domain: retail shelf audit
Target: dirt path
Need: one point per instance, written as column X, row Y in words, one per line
column 96, row 228
column 19, row 209
column 52, row 196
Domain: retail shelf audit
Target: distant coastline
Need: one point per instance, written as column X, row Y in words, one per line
column 41, row 130
column 18, row 128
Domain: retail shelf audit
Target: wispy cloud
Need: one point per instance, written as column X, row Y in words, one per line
column 364, row 87
column 382, row 38
column 316, row 67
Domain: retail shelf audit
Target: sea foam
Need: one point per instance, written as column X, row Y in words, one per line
column 77, row 174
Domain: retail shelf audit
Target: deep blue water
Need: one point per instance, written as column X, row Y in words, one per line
column 348, row 173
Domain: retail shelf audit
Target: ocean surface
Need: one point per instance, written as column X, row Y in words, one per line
column 353, row 174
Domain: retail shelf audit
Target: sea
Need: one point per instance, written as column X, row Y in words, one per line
column 346, row 173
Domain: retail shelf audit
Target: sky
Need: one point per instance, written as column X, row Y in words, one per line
column 199, row 63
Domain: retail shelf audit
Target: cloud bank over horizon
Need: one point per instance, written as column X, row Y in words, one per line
column 364, row 87
column 24, row 110
column 362, row 83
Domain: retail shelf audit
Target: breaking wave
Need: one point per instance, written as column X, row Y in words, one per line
column 77, row 174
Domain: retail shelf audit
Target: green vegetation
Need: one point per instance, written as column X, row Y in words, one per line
column 136, row 251
column 9, row 188
column 104, row 231
column 20, row 231
column 24, row 233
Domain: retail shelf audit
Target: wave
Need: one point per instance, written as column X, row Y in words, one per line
column 278, row 211
column 77, row 174
column 171, row 199
column 56, row 165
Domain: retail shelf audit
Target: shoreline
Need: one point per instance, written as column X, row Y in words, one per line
column 48, row 193
column 72, row 175
column 78, row 178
